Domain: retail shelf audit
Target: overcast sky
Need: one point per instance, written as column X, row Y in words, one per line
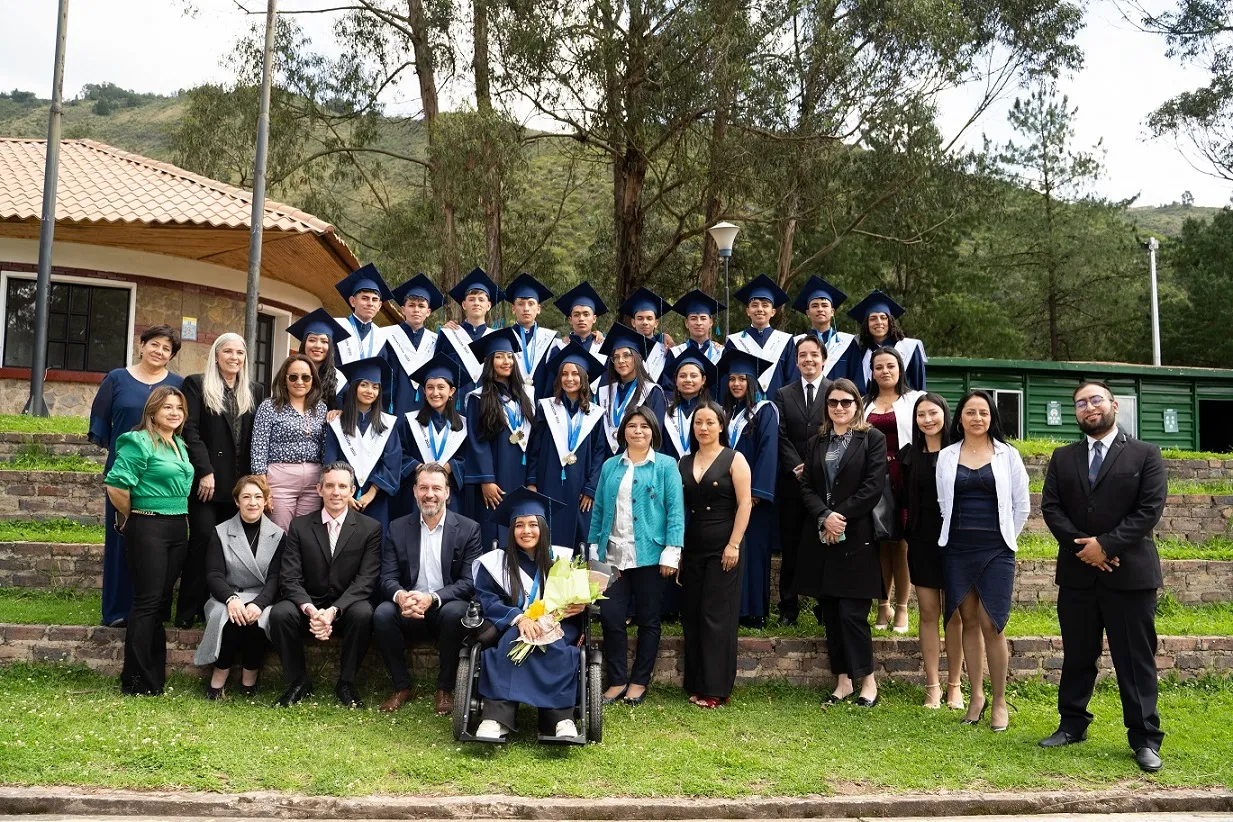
column 149, row 45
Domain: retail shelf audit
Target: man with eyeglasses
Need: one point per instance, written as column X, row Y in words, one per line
column 1103, row 496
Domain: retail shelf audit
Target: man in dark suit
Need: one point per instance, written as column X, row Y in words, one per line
column 1103, row 496
column 801, row 410
column 331, row 562
column 426, row 584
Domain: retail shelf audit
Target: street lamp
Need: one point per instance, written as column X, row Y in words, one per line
column 1152, row 245
column 724, row 235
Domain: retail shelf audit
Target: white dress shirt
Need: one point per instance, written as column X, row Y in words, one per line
column 817, row 389
column 430, row 578
column 1105, row 441
column 622, row 550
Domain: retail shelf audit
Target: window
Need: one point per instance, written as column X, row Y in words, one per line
column 263, row 362
column 87, row 329
column 1128, row 413
column 1010, row 412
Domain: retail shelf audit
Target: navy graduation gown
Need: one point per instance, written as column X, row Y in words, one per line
column 775, row 346
column 377, row 462
column 410, row 435
column 564, row 482
column 758, row 441
column 911, row 351
column 406, row 350
column 492, row 460
column 612, row 398
column 677, row 426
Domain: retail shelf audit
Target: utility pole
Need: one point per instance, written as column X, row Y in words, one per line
column 258, row 218
column 1152, row 245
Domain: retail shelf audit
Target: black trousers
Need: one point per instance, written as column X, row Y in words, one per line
column 248, row 641
column 202, row 518
column 792, row 516
column 710, row 618
column 1128, row 618
column 849, row 642
column 155, row 551
column 392, row 631
column 507, row 714
column 637, row 594
column 289, row 627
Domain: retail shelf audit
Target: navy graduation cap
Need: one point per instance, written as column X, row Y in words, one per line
column 691, row 355
column 581, row 294
column 477, row 280
column 318, row 322
column 591, row 365
column 523, row 502
column 420, row 286
column 622, row 336
column 737, row 361
column 367, row 278
column 644, row 299
column 762, row 287
column 372, row 369
column 503, row 339
column 816, row 288
column 697, row 302
column 441, row 366
column 525, row 287
column 876, row 303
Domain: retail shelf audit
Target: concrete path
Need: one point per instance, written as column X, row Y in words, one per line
column 1066, row 817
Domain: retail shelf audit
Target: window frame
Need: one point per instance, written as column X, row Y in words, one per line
column 1019, row 432
column 97, row 282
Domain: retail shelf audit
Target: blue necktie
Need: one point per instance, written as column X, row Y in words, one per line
column 1098, row 457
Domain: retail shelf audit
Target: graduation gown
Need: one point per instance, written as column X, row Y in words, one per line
column 496, row 460
column 417, row 447
column 713, row 352
column 758, row 441
column 375, row 458
column 534, row 354
column 913, row 353
column 353, row 348
column 551, row 472
column 458, row 347
column 772, row 345
column 843, row 356
column 677, row 425
column 548, row 677
column 543, row 388
column 406, row 351
column 617, row 402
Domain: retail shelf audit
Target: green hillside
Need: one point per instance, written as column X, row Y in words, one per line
column 1166, row 221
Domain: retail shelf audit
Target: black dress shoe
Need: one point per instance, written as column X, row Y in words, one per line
column 347, row 695
column 862, row 702
column 298, row 690
column 184, row 623
column 1148, row 760
column 1060, row 738
column 213, row 694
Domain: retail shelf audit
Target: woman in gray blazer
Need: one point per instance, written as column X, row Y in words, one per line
column 242, row 562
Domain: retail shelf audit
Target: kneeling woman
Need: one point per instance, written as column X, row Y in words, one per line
column 507, row 582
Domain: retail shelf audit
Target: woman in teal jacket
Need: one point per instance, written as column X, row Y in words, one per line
column 638, row 526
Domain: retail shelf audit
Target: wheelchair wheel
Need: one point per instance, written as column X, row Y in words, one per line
column 595, row 700
column 462, row 696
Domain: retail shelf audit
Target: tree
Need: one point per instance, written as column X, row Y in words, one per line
column 1195, row 323
column 1187, row 199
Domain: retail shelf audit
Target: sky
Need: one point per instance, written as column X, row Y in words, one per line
column 152, row 46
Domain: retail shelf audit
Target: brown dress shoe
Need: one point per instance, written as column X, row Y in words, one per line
column 396, row 700
column 444, row 702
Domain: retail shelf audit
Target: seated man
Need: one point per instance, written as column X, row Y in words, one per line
column 331, row 562
column 426, row 585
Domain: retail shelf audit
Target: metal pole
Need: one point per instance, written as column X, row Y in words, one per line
column 263, row 142
column 1152, row 245
column 37, row 404
column 727, row 297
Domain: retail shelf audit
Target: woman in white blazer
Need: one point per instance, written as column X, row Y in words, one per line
column 983, row 494
column 889, row 408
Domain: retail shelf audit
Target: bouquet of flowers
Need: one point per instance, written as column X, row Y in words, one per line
column 568, row 583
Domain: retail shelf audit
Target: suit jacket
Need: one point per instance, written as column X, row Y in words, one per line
column 850, row 569
column 310, row 574
column 797, row 425
column 211, row 445
column 400, row 556
column 1121, row 509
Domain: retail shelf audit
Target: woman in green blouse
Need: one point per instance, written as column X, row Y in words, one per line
column 148, row 484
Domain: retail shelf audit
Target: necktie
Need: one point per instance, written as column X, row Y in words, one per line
column 809, row 397
column 333, row 528
column 1098, row 457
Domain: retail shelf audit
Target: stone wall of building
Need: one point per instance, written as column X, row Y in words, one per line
column 51, row 495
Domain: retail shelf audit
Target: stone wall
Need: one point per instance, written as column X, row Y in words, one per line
column 1188, row 517
column 1178, row 469
column 51, row 495
column 51, row 565
column 65, row 445
column 798, row 661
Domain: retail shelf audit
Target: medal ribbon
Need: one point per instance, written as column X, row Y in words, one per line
column 528, row 349
column 629, row 389
column 432, row 441
column 574, row 429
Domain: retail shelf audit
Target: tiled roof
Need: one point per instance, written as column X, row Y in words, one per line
column 98, row 183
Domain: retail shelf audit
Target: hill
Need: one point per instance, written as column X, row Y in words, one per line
column 1166, row 221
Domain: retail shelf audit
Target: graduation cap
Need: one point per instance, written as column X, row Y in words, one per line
column 622, row 336
column 526, row 287
column 762, row 287
column 591, row 365
column 876, row 303
column 503, row 339
column 816, row 288
column 441, row 366
column 372, row 369
column 697, row 302
column 477, row 280
column 581, row 294
column 692, row 355
column 318, row 322
column 420, row 286
column 736, row 361
column 644, row 299
column 367, row 278
column 523, row 502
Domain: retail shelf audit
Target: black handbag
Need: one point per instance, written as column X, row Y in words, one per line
column 885, row 514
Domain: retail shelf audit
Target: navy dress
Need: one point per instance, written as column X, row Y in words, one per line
column 386, row 471
column 117, row 410
column 559, row 479
column 493, row 460
column 976, row 554
column 758, row 441
column 418, row 445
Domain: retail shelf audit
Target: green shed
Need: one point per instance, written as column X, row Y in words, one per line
column 1188, row 408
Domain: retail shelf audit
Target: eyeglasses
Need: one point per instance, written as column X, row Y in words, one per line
column 834, row 403
column 1095, row 402
column 299, row 378
column 622, row 355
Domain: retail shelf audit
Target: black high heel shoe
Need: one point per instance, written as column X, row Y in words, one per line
column 979, row 716
column 608, row 700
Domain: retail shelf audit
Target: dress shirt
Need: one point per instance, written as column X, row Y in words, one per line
column 760, row 335
column 333, row 527
column 817, row 389
column 286, row 435
column 621, row 549
column 361, row 327
column 1105, row 441
column 430, row 579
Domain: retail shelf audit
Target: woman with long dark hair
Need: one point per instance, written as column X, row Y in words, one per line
column 288, row 437
column 365, row 437
column 117, row 408
column 692, row 376
column 319, row 335
column 499, row 418
column 627, row 384
column 983, row 495
column 434, row 433
column 878, row 317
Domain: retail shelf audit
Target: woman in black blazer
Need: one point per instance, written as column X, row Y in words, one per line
column 219, row 433
column 845, row 469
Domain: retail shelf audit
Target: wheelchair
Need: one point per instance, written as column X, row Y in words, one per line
column 468, row 704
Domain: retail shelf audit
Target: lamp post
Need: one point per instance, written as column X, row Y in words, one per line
column 1152, row 245
column 724, row 235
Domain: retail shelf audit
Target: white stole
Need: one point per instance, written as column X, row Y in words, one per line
column 558, row 425
column 772, row 351
column 364, row 450
column 494, row 563
column 462, row 344
column 453, row 439
column 672, row 430
column 736, row 426
column 655, row 361
column 610, row 425
column 409, row 356
column 353, row 348
column 713, row 350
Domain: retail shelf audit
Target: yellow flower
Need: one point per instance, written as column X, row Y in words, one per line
column 535, row 610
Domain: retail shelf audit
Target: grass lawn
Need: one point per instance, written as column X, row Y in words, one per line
column 23, row 424
column 1043, row 546
column 37, row 457
column 71, row 727
column 1043, row 448
column 52, row 530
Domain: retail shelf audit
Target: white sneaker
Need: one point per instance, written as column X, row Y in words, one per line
column 567, row 729
column 491, row 729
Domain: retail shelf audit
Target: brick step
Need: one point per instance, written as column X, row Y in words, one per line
column 800, row 661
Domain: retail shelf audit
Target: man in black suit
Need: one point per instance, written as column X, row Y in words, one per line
column 426, row 584
column 331, row 562
column 1103, row 496
column 801, row 410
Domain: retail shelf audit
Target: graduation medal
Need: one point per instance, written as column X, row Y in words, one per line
column 571, row 459
column 516, row 437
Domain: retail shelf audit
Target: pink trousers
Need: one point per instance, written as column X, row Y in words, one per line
column 294, row 488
